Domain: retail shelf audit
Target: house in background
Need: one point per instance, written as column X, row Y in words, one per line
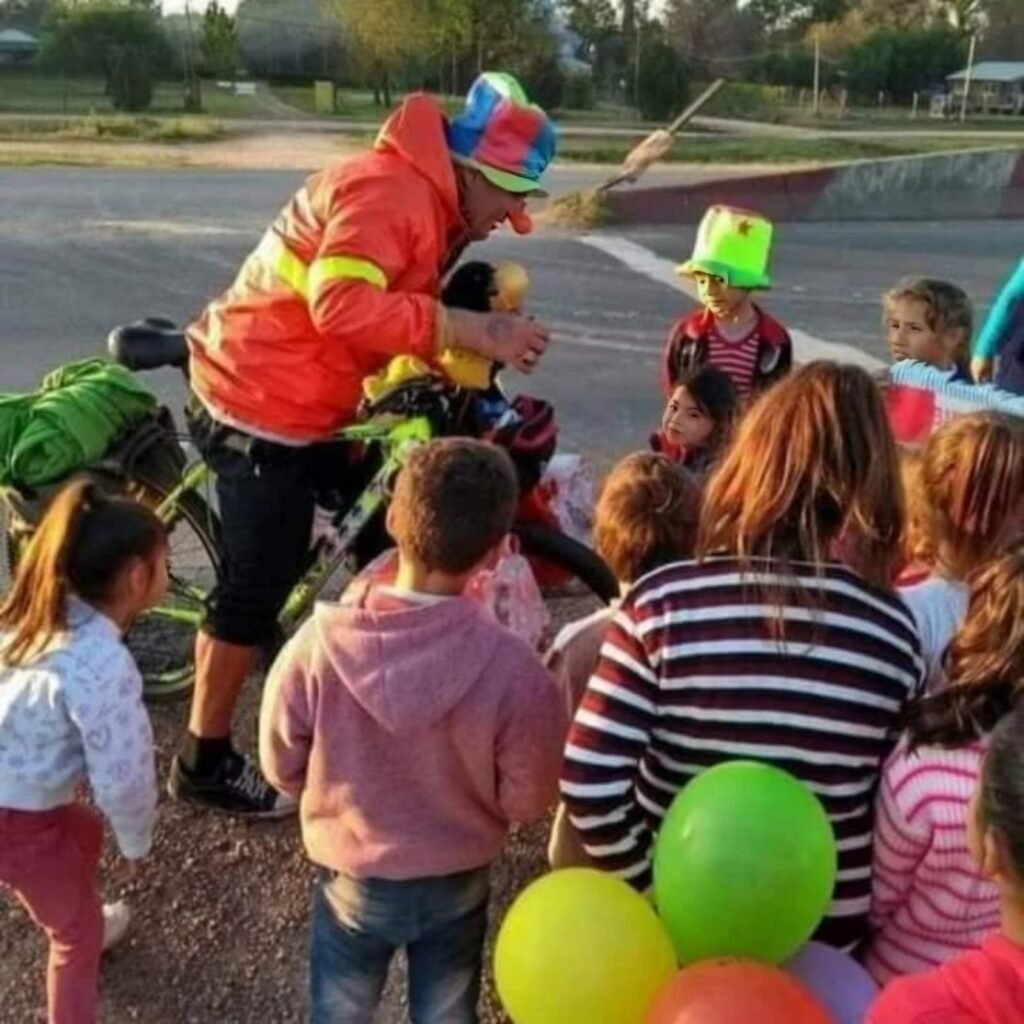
column 17, row 47
column 997, row 87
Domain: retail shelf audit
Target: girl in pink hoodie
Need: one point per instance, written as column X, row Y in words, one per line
column 985, row 986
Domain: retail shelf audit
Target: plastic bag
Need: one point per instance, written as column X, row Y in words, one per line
column 508, row 594
column 567, row 488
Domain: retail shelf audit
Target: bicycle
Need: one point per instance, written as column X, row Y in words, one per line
column 408, row 415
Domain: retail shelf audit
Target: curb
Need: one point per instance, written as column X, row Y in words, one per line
column 964, row 185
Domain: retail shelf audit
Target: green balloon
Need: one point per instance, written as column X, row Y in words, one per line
column 744, row 864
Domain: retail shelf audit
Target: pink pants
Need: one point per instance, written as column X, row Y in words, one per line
column 49, row 859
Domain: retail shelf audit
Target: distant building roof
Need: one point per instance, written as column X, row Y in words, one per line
column 13, row 40
column 15, row 35
column 993, row 71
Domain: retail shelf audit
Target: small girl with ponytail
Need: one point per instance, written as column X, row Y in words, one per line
column 929, row 899
column 71, row 709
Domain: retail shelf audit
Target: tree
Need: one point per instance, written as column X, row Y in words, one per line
column 663, row 82
column 861, row 22
column 597, row 25
column 28, row 15
column 290, row 39
column 1004, row 32
column 473, row 35
column 131, row 87
column 796, row 15
column 121, row 41
column 793, row 67
column 895, row 14
column 714, row 34
column 387, row 33
column 412, row 42
column 591, row 20
column 218, row 44
column 968, row 15
column 900, row 62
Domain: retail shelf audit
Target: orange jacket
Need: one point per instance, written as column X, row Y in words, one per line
column 346, row 277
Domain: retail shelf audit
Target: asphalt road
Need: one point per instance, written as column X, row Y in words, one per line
column 83, row 250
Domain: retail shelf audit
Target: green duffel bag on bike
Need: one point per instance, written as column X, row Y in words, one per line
column 70, row 423
column 148, row 451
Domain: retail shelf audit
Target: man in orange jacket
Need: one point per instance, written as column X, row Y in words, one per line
column 346, row 278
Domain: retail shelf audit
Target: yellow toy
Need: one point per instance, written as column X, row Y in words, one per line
column 482, row 288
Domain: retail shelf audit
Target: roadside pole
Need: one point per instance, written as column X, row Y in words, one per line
column 967, row 79
column 816, row 108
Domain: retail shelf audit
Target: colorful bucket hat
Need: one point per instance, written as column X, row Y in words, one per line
column 503, row 135
column 735, row 245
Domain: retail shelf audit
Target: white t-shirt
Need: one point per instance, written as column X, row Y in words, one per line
column 938, row 606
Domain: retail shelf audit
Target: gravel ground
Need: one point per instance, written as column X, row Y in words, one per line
column 221, row 913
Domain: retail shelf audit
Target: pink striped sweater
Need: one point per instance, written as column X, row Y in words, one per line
column 929, row 902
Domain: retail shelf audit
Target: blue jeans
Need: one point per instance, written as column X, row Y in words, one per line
column 359, row 924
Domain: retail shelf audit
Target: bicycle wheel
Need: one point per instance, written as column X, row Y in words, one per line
column 590, row 583
column 162, row 640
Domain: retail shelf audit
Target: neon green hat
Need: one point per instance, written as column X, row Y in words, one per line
column 733, row 244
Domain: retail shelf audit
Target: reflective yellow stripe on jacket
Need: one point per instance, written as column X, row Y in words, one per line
column 306, row 281
column 336, row 268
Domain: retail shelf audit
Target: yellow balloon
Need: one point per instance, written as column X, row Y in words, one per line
column 581, row 947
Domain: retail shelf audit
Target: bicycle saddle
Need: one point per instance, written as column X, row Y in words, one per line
column 148, row 344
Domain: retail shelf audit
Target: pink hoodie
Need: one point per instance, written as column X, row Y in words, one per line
column 415, row 737
column 982, row 987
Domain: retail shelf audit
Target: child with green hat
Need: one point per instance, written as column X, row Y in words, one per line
column 730, row 260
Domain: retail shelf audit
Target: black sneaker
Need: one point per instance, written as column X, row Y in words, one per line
column 237, row 787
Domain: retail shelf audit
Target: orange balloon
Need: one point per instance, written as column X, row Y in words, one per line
column 735, row 992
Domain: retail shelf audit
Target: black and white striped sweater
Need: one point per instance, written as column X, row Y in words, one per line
column 694, row 670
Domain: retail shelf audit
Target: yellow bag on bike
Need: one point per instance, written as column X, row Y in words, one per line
column 398, row 371
column 465, row 369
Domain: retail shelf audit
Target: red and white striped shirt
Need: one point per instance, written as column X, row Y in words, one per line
column 929, row 902
column 736, row 358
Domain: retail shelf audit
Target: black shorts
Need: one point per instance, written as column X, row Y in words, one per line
column 266, row 494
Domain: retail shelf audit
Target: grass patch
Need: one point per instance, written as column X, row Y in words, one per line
column 715, row 150
column 114, row 128
column 298, row 96
column 30, row 92
column 358, row 105
column 62, row 155
column 219, row 102
column 895, row 119
column 352, row 104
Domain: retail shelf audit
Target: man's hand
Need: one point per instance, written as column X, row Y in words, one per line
column 500, row 337
column 981, row 369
